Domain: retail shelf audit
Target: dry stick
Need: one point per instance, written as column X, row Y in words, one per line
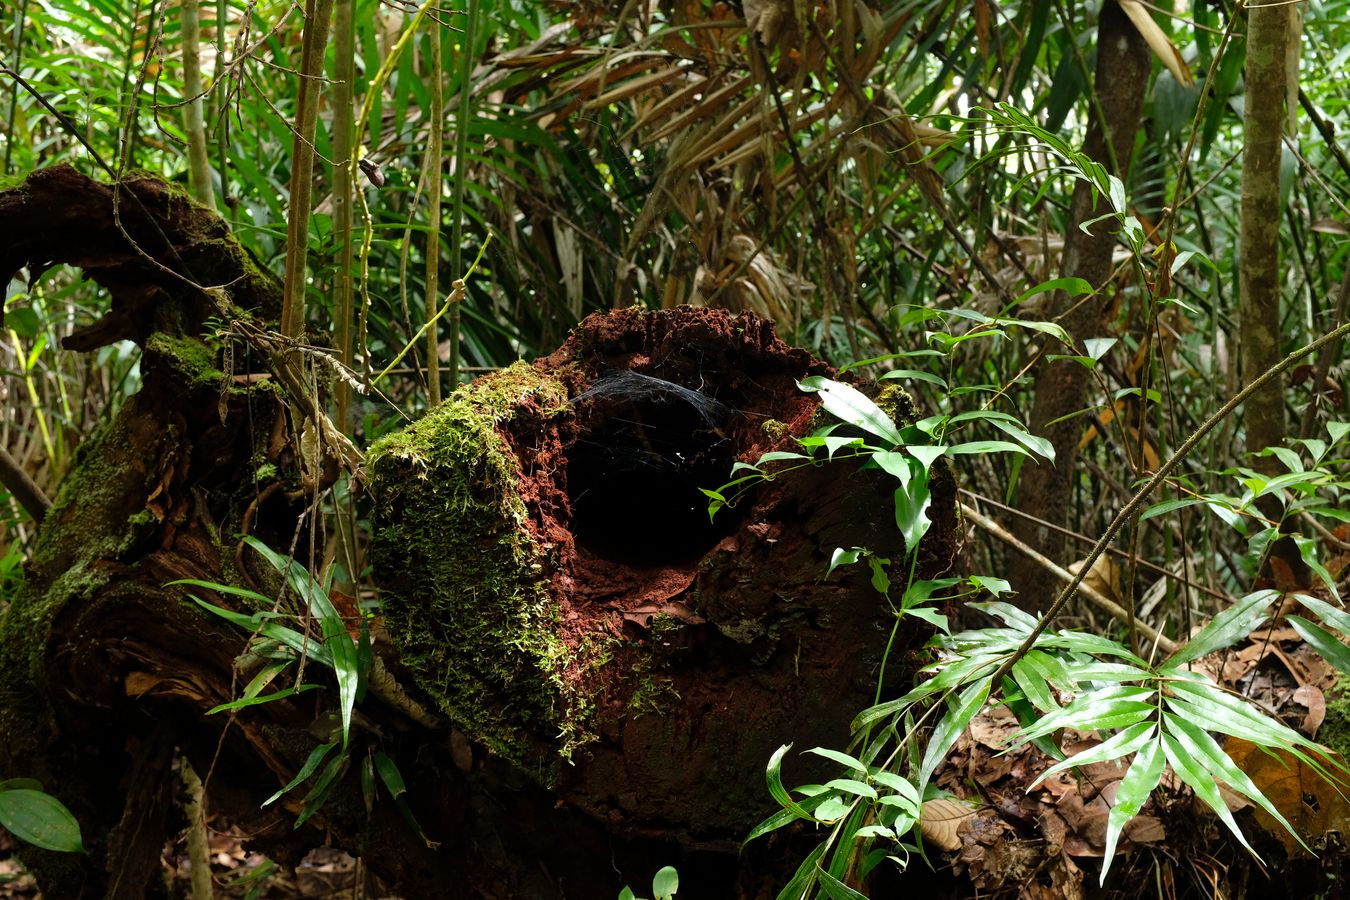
column 1115, row 610
column 22, row 488
column 1136, row 504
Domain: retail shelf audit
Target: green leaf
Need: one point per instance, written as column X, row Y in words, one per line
column 1324, row 642
column 627, row 894
column 911, row 512
column 1204, row 785
column 1208, row 754
column 852, row 406
column 836, row 889
column 852, row 786
column 242, row 702
column 665, row 883
column 843, row 759
column 996, row 586
column 1135, row 787
column 38, row 818
column 1033, row 685
column 1334, row 616
column 1227, row 628
column 978, row 447
column 311, row 764
column 1036, row 444
column 950, row 726
column 842, row 557
column 1122, row 743
column 1307, row 551
column 916, row 375
column 1112, row 707
column 926, row 454
column 774, row 776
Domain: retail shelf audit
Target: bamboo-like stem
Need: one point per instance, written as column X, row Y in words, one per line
column 314, row 43
column 461, row 163
column 435, row 142
column 199, row 165
column 344, row 156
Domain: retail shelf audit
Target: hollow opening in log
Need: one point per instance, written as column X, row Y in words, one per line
column 645, row 447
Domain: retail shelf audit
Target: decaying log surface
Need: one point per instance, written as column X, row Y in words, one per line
column 613, row 669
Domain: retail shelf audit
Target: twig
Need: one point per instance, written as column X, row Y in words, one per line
column 23, row 488
column 1115, row 610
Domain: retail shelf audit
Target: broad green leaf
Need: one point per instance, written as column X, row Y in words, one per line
column 1015, row 618
column 1334, row 616
column 895, row 464
column 996, row 586
column 980, row 447
column 852, row 786
column 38, row 818
column 836, row 889
column 1202, row 782
column 1307, row 551
column 843, row 759
column 905, row 792
column 1032, row 683
column 931, row 616
column 950, row 726
column 911, row 512
column 1035, row 443
column 316, row 756
column 916, row 375
column 1207, row 753
column 926, row 454
column 852, row 406
column 1324, row 642
column 1139, row 781
column 774, row 776
column 1120, row 744
column 665, row 883
column 1167, row 506
column 842, row 557
column 1227, row 628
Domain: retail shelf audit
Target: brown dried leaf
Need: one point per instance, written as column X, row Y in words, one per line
column 1158, row 41
column 1311, row 696
column 940, row 820
column 1312, row 805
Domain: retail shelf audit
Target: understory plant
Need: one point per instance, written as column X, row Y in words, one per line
column 1147, row 713
column 276, row 649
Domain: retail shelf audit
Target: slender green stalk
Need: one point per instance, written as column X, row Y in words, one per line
column 314, row 43
column 435, row 142
column 344, row 154
column 461, row 164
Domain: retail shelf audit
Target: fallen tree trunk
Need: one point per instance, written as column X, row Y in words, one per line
column 613, row 670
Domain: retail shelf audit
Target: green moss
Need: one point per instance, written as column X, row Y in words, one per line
column 265, row 472
column 189, row 357
column 775, row 429
column 465, row 599
column 1335, row 729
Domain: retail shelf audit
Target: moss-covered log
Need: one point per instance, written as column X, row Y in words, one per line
column 554, row 582
column 614, row 670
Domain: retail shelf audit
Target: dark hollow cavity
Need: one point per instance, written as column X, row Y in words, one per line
column 633, row 476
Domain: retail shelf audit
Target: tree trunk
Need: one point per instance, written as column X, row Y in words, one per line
column 613, row 671
column 1123, row 64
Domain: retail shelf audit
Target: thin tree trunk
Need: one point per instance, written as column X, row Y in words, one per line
column 1259, row 265
column 1123, row 64
column 199, row 165
column 315, row 41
